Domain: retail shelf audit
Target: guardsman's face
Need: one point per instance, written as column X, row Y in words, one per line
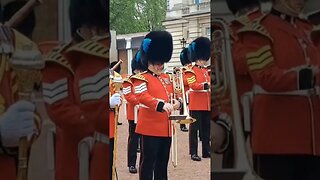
column 201, row 62
column 159, row 67
column 156, row 67
column 136, row 71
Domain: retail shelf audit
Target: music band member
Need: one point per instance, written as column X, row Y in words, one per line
column 282, row 62
column 16, row 116
column 198, row 80
column 245, row 12
column 153, row 90
column 128, row 90
column 75, row 97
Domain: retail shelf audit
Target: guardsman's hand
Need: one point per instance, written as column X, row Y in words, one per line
column 176, row 104
column 17, row 122
column 168, row 107
column 115, row 100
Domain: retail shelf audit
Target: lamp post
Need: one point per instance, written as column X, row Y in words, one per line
column 183, row 43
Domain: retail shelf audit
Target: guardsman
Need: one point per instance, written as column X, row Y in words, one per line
column 128, row 91
column 153, row 90
column 245, row 12
column 90, row 59
column 198, row 80
column 16, row 116
column 69, row 92
column 283, row 63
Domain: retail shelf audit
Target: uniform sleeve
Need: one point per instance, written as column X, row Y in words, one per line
column 193, row 84
column 239, row 58
column 58, row 96
column 128, row 93
column 262, row 66
column 141, row 92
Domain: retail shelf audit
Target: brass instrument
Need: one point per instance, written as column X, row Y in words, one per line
column 174, row 141
column 27, row 66
column 176, row 117
column 178, row 87
column 225, row 85
column 117, row 84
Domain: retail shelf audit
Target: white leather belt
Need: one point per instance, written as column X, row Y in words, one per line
column 191, row 90
column 258, row 90
column 101, row 138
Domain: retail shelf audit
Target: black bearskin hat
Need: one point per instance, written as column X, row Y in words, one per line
column 88, row 12
column 156, row 47
column 199, row 49
column 184, row 57
column 136, row 63
column 236, row 5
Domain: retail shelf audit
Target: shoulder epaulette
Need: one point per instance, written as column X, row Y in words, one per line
column 189, row 70
column 56, row 56
column 244, row 20
column 256, row 27
column 139, row 77
column 128, row 80
column 92, row 47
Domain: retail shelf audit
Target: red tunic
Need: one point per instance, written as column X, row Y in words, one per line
column 64, row 110
column 150, row 90
column 281, row 124
column 90, row 60
column 199, row 99
column 128, row 92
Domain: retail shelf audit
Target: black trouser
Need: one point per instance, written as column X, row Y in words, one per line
column 133, row 140
column 202, row 124
column 111, row 155
column 287, row 167
column 155, row 152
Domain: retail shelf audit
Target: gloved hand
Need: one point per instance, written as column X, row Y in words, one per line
column 168, row 107
column 176, row 104
column 221, row 129
column 115, row 100
column 17, row 122
column 306, row 78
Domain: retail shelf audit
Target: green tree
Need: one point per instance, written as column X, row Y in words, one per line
column 130, row 16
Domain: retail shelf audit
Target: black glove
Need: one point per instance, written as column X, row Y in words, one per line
column 306, row 79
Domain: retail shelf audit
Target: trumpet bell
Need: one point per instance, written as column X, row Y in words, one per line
column 187, row 120
column 177, row 117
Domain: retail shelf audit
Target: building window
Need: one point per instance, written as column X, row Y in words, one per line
column 168, row 4
column 208, row 32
